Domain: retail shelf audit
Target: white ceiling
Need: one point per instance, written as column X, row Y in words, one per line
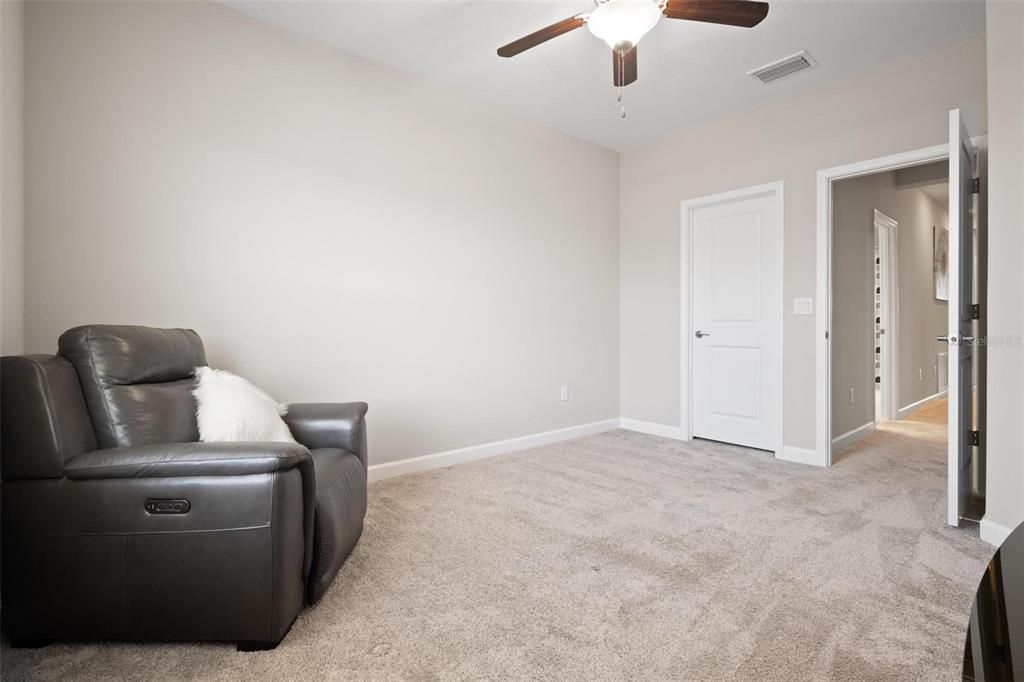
column 687, row 71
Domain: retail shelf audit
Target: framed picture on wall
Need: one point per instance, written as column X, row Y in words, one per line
column 940, row 262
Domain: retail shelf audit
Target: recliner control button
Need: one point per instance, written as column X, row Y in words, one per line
column 168, row 506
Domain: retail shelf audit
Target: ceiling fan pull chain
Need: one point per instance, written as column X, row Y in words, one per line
column 622, row 69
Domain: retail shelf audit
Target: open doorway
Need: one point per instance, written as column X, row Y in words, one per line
column 964, row 338
column 890, row 301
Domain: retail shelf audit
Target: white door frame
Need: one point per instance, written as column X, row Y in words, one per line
column 688, row 208
column 890, row 283
column 823, row 374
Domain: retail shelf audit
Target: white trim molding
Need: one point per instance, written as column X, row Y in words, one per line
column 823, row 368
column 888, row 244
column 913, row 407
column 652, row 429
column 791, row 453
column 788, row 453
column 993, row 533
column 852, row 436
column 687, row 207
column 825, row 178
column 440, row 460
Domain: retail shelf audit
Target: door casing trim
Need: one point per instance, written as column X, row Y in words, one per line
column 890, row 272
column 687, row 209
column 823, row 321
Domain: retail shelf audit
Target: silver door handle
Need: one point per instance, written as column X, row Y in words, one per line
column 942, row 339
column 700, row 335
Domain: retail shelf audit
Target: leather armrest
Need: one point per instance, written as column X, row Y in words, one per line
column 187, row 459
column 329, row 425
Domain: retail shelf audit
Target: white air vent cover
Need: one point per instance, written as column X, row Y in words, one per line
column 783, row 67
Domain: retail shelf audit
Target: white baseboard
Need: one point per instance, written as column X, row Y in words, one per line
column 993, row 533
column 904, row 411
column 652, row 429
column 441, row 460
column 852, row 436
column 791, row 453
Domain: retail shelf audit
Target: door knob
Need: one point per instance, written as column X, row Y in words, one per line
column 700, row 335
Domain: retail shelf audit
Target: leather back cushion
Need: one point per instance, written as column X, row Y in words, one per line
column 137, row 381
column 43, row 418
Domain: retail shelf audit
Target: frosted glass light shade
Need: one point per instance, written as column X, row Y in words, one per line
column 622, row 23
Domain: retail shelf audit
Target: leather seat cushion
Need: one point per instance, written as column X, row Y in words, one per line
column 340, row 508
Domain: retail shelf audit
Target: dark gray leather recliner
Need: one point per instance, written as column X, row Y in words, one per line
column 117, row 524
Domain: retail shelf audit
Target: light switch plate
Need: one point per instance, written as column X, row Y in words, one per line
column 803, row 306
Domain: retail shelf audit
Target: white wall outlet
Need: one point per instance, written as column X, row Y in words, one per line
column 920, row 374
column 564, row 394
column 803, row 306
column 852, row 401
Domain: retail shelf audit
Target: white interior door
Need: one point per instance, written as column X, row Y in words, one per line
column 735, row 356
column 959, row 335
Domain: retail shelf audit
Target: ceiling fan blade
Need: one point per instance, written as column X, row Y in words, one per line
column 623, row 68
column 541, row 36
column 744, row 13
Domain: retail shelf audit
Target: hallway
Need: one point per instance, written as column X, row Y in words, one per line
column 927, row 424
column 932, row 413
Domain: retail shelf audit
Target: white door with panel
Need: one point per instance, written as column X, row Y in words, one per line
column 734, row 321
column 964, row 218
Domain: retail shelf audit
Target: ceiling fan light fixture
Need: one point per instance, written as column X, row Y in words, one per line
column 622, row 23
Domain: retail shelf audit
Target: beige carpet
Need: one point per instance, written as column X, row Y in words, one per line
column 623, row 556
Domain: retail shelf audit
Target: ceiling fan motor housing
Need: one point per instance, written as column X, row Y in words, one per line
column 623, row 46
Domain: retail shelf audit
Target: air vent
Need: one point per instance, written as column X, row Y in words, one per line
column 783, row 67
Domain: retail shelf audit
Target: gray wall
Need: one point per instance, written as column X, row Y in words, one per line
column 1005, row 436
column 282, row 168
column 333, row 229
column 853, row 343
column 12, row 226
column 901, row 106
column 921, row 317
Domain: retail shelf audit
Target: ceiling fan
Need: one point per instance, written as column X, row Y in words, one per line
column 622, row 23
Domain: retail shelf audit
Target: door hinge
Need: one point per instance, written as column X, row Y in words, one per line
column 975, row 311
column 975, row 437
column 975, row 185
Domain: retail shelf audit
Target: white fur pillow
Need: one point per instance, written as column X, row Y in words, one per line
column 229, row 408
